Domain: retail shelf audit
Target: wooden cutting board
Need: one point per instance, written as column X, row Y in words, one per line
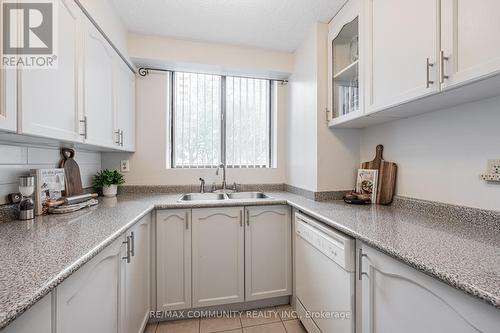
column 73, row 179
column 386, row 176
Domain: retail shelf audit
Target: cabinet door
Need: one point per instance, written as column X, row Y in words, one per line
column 8, row 94
column 36, row 319
column 218, row 258
column 124, row 106
column 88, row 300
column 98, row 88
column 400, row 37
column 173, row 259
column 345, row 64
column 49, row 97
column 469, row 34
column 267, row 252
column 396, row 298
column 137, row 277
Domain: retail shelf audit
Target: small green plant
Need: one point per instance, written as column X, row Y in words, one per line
column 108, row 177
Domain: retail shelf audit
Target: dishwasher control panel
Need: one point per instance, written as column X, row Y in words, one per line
column 334, row 245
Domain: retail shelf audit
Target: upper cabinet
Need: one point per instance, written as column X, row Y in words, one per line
column 98, row 75
column 345, row 63
column 469, row 31
column 89, row 97
column 8, row 97
column 49, row 97
column 414, row 57
column 124, row 115
column 402, row 41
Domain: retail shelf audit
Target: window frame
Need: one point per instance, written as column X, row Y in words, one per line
column 271, row 109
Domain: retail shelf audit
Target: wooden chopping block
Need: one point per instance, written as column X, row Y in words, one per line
column 386, row 176
column 73, row 179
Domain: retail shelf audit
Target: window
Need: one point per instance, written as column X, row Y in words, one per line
column 220, row 119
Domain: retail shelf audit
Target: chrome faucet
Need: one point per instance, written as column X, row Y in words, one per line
column 202, row 185
column 223, row 166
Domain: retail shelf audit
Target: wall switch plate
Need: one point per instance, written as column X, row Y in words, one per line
column 124, row 166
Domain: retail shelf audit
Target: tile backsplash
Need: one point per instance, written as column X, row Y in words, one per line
column 18, row 160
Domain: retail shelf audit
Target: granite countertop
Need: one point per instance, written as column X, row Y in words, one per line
column 460, row 251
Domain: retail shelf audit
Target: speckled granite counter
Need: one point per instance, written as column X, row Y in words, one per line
column 37, row 256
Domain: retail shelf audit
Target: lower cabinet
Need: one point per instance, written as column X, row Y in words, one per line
column 110, row 293
column 397, row 298
column 218, row 256
column 88, row 300
column 215, row 256
column 137, row 278
column 36, row 319
column 268, row 251
column 173, row 260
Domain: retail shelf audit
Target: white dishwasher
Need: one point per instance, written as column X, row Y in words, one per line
column 325, row 277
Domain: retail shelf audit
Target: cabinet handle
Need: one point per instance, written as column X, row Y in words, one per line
column 428, row 74
column 443, row 74
column 248, row 218
column 187, row 220
column 121, row 138
column 118, row 135
column 241, row 218
column 360, row 264
column 132, row 244
column 127, row 257
column 84, row 122
column 327, row 115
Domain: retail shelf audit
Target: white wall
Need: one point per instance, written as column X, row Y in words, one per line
column 440, row 155
column 103, row 12
column 16, row 161
column 302, row 115
column 148, row 164
column 207, row 57
column 319, row 159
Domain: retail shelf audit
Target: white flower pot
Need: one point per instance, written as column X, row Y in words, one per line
column 109, row 191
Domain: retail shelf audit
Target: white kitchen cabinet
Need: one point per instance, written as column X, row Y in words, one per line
column 8, row 94
column 268, row 252
column 137, row 277
column 37, row 319
column 218, row 256
column 346, row 59
column 469, row 34
column 98, row 74
column 173, row 259
column 397, row 298
column 49, row 102
column 124, row 110
column 402, row 51
column 88, row 301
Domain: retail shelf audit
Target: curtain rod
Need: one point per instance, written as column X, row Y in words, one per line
column 144, row 71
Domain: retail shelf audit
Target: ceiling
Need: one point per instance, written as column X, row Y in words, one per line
column 271, row 24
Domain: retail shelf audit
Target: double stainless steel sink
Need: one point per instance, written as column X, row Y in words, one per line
column 223, row 196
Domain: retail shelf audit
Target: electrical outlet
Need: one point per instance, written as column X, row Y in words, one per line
column 494, row 166
column 124, row 166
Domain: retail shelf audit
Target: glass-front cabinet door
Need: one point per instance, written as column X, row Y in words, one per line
column 345, row 83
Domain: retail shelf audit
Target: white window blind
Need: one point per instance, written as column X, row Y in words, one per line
column 220, row 119
column 248, row 123
column 196, row 120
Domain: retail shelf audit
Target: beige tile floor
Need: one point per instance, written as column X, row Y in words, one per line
column 270, row 320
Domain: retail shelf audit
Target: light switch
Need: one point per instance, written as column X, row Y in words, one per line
column 124, row 166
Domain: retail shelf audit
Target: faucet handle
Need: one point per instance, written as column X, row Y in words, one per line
column 202, row 185
column 235, row 187
column 214, row 187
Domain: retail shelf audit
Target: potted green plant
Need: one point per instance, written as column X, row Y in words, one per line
column 108, row 181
